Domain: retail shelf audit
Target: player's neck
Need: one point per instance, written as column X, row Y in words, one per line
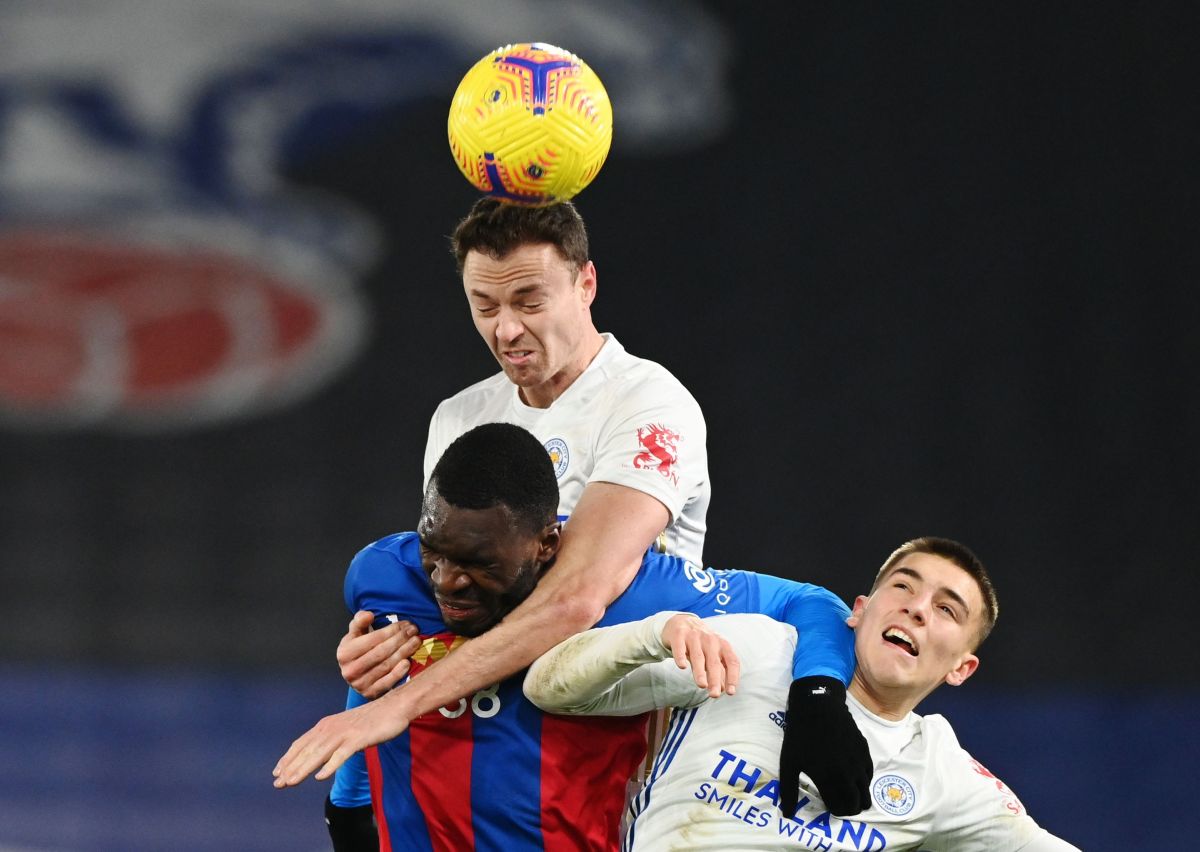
column 889, row 704
column 544, row 395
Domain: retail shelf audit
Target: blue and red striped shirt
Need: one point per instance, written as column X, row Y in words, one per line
column 495, row 774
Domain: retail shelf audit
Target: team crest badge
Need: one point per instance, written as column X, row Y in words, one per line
column 559, row 455
column 894, row 794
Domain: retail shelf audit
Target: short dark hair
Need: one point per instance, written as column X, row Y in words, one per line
column 499, row 464
column 497, row 228
column 964, row 558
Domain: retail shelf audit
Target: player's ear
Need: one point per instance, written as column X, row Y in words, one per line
column 587, row 281
column 549, row 542
column 966, row 667
column 856, row 612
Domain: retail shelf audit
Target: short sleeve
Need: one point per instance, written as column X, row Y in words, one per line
column 654, row 440
column 441, row 433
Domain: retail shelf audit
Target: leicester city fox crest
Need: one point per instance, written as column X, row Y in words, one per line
column 560, row 455
column 894, row 794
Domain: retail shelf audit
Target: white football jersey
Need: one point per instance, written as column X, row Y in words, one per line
column 625, row 420
column 714, row 784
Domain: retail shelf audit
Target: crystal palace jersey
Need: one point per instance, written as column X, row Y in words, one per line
column 492, row 772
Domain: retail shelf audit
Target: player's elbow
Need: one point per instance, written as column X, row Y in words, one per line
column 554, row 689
column 574, row 613
column 543, row 689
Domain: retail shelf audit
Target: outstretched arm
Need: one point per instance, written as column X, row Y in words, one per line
column 603, row 545
column 608, row 671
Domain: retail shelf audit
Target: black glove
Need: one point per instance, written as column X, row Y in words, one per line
column 822, row 740
column 351, row 829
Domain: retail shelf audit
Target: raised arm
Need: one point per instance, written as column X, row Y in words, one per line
column 603, row 544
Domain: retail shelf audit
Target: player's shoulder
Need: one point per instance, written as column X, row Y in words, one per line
column 472, row 397
column 391, row 543
column 937, row 729
column 979, row 802
column 943, row 748
column 387, row 578
column 385, row 552
column 628, row 375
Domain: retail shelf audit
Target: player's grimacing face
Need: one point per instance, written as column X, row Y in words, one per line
column 532, row 309
column 918, row 627
column 479, row 563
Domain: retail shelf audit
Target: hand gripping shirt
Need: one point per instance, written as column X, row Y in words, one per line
column 625, row 420
column 715, row 781
column 492, row 772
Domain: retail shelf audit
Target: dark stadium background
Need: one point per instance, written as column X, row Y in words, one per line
column 934, row 275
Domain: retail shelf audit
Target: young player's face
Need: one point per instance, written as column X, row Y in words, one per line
column 532, row 309
column 480, row 564
column 916, row 630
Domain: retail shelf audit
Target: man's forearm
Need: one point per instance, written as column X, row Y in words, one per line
column 602, row 549
column 580, row 674
column 545, row 619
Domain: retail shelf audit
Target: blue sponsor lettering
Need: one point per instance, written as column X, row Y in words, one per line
column 756, row 816
column 852, row 830
column 802, row 835
column 821, row 824
column 770, row 790
column 739, row 774
column 730, row 804
column 817, row 833
column 719, row 801
column 725, row 758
